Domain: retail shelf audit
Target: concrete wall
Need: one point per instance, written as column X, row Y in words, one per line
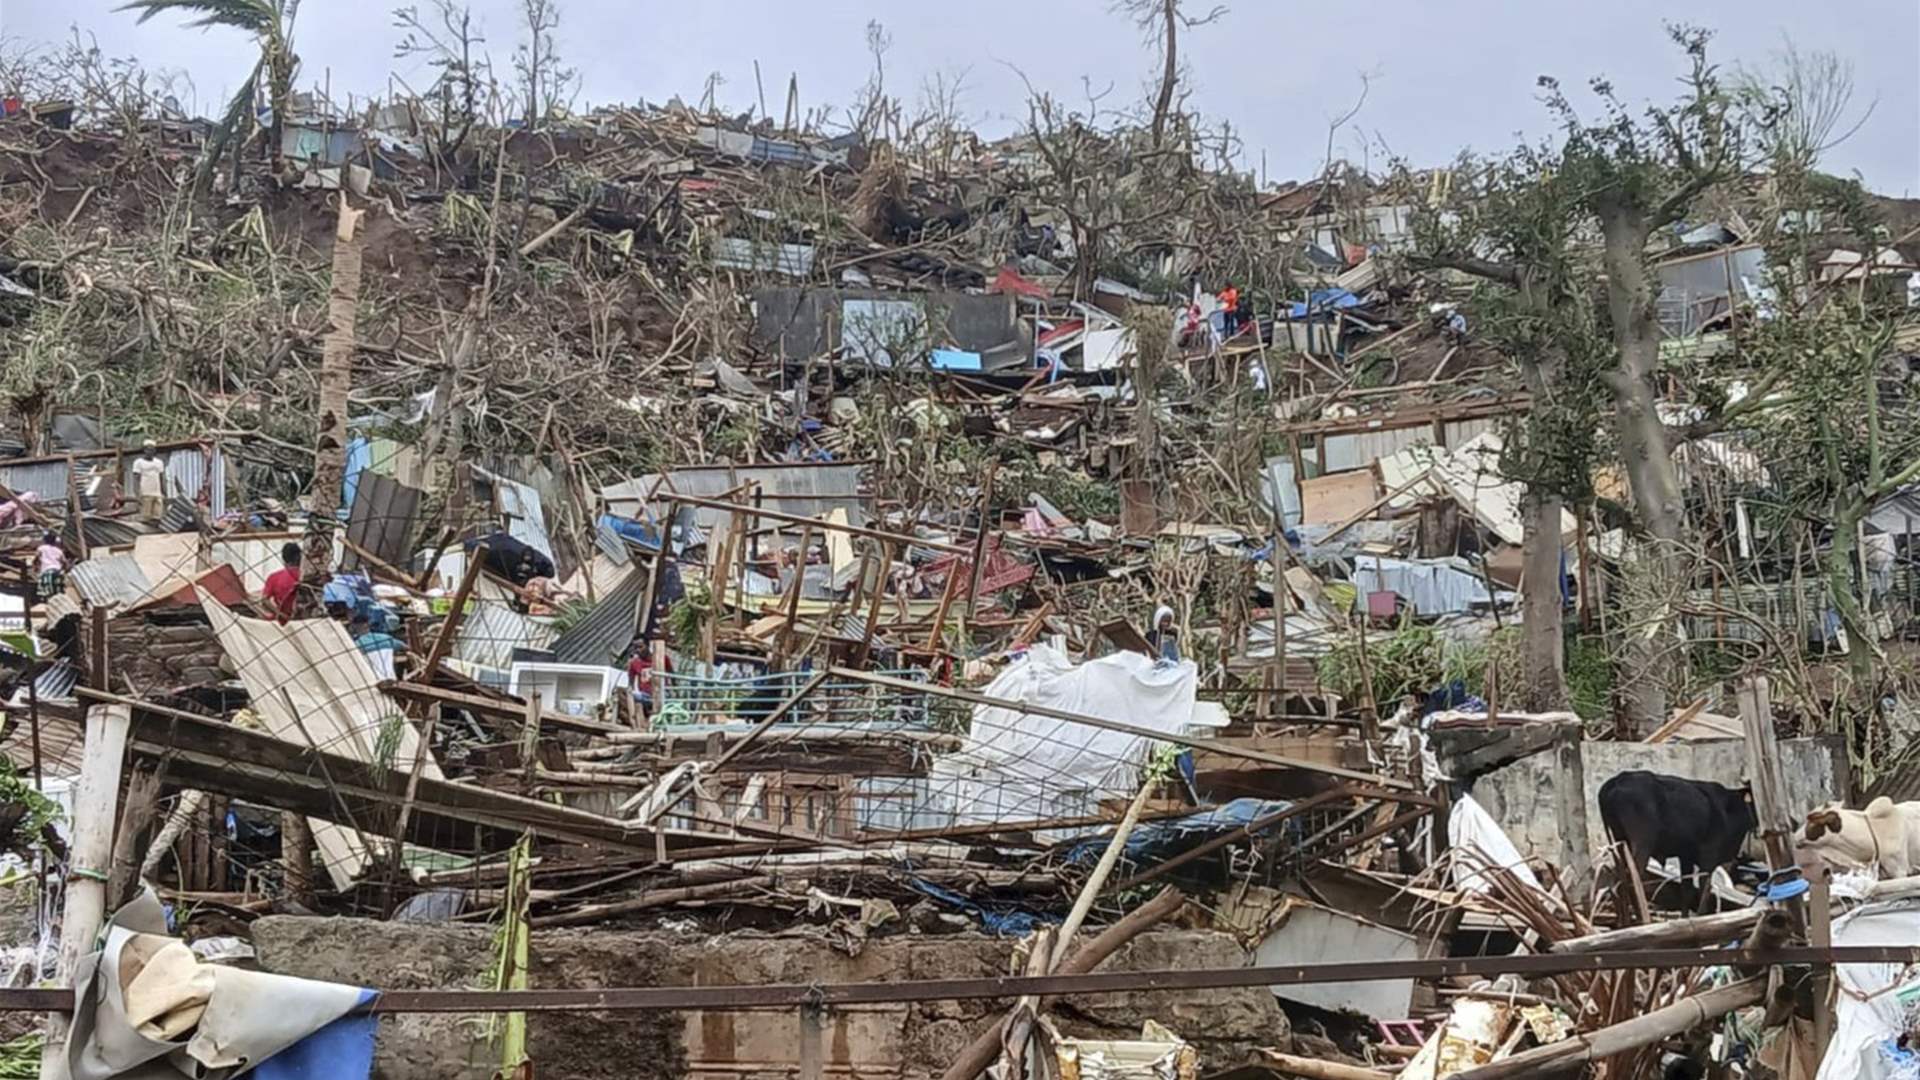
column 1529, row 798
column 880, row 1041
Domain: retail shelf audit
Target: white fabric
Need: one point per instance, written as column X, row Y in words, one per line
column 1866, row 1007
column 1470, row 827
column 237, row 1018
column 1017, row 766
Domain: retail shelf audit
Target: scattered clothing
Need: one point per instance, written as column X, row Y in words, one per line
column 15, row 510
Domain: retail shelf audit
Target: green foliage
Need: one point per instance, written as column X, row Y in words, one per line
column 386, row 743
column 1590, row 679
column 41, row 811
column 1413, row 660
column 687, row 619
column 20, row 1056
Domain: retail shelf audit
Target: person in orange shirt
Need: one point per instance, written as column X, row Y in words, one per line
column 1230, row 301
column 284, row 583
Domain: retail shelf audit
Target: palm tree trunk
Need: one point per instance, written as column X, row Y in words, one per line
column 336, row 383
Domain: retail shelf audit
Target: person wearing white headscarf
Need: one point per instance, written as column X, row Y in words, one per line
column 1163, row 637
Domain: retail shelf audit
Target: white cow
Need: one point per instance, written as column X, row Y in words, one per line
column 1886, row 836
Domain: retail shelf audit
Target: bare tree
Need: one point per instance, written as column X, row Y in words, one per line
column 544, row 81
column 445, row 37
column 1811, row 95
column 1161, row 21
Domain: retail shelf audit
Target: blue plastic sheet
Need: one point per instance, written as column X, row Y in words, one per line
column 343, row 1050
column 1007, row 921
column 1154, row 840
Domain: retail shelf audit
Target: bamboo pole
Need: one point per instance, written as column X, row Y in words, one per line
column 985, row 1047
column 1701, row 930
column 1314, row 1069
column 95, row 802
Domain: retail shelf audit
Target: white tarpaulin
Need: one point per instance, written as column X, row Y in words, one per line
column 148, row 1009
column 1018, row 766
column 1867, row 1006
column 310, row 684
column 1471, row 828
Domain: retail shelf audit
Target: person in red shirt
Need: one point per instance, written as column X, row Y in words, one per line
column 284, row 583
column 640, row 677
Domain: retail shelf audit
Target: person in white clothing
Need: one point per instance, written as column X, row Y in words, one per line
column 150, row 480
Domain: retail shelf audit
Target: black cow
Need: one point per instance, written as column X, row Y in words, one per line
column 1701, row 823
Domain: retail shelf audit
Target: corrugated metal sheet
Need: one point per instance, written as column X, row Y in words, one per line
column 381, row 520
column 1362, row 449
column 491, row 629
column 252, row 559
column 520, row 503
column 110, row 581
column 189, row 471
column 47, row 480
column 811, row 490
column 609, row 628
column 737, row 253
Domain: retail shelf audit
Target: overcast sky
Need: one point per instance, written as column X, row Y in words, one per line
column 1445, row 74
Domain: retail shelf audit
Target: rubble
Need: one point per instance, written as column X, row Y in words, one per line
column 866, row 560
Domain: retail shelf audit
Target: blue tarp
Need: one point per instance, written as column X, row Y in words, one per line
column 359, row 456
column 1007, row 921
column 954, row 360
column 1155, row 840
column 1321, row 301
column 343, row 1050
column 632, row 529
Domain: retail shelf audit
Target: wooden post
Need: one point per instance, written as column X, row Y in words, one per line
column 1775, row 824
column 73, row 510
column 443, row 641
column 530, row 739
column 94, row 810
column 792, row 606
column 1281, row 597
column 813, row 1026
column 980, row 544
column 1820, row 936
column 873, row 603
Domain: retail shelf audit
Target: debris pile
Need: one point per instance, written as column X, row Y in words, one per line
column 673, row 523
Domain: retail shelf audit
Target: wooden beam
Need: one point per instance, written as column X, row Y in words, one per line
column 1223, row 749
column 759, row 729
column 511, row 708
column 443, row 641
column 829, row 526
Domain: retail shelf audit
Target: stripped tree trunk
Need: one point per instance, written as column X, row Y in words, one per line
column 336, row 383
column 1544, row 653
column 1651, row 642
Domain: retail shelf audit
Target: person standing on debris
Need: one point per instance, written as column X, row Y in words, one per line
column 284, row 583
column 150, row 482
column 1163, row 637
column 1230, row 304
column 53, row 565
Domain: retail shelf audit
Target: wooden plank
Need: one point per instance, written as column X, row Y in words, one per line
column 1325, row 500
